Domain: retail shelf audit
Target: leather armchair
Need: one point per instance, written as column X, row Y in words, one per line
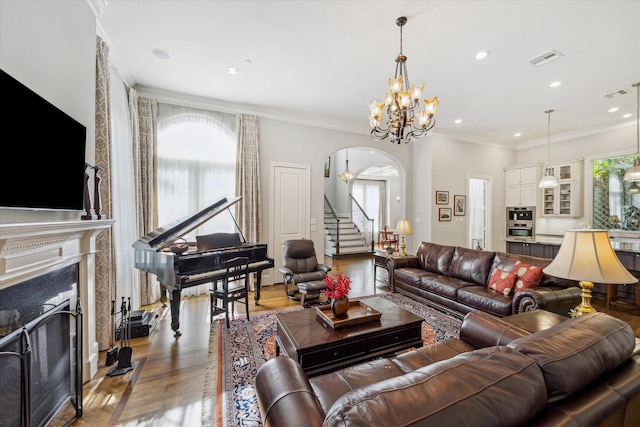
column 301, row 266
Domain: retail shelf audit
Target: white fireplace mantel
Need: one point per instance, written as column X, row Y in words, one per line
column 29, row 250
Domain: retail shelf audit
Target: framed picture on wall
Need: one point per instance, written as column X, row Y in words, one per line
column 327, row 167
column 459, row 205
column 444, row 214
column 442, row 197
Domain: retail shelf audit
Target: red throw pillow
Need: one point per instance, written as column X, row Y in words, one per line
column 528, row 276
column 502, row 281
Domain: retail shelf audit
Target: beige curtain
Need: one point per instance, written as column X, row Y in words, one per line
column 104, row 272
column 248, row 178
column 143, row 123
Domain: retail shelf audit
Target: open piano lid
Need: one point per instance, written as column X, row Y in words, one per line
column 164, row 236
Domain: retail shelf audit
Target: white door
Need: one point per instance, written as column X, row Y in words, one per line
column 479, row 211
column 290, row 201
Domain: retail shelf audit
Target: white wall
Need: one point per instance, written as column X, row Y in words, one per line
column 50, row 47
column 288, row 142
column 444, row 165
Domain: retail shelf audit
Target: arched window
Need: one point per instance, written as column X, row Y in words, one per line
column 196, row 165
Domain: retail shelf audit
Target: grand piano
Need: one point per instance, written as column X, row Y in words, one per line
column 197, row 265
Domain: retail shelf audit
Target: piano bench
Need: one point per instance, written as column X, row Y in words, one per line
column 310, row 290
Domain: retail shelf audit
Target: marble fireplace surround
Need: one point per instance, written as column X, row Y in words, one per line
column 29, row 250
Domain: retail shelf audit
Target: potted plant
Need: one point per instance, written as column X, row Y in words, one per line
column 338, row 291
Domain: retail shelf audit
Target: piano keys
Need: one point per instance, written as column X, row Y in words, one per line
column 202, row 264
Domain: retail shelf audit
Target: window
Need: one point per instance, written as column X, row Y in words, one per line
column 614, row 206
column 368, row 194
column 196, row 165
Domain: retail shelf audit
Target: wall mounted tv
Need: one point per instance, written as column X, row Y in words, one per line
column 44, row 158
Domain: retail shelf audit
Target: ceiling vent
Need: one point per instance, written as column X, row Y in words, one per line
column 545, row 58
column 616, row 93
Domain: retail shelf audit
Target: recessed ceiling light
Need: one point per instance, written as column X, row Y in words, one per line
column 626, row 116
column 232, row 70
column 613, row 109
column 162, row 54
column 481, row 55
column 457, row 121
column 517, row 134
column 555, row 84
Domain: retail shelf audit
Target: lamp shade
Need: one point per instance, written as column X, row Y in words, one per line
column 587, row 255
column 548, row 181
column 403, row 227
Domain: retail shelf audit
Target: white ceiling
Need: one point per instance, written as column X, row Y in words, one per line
column 321, row 62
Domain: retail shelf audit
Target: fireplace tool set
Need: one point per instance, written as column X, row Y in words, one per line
column 123, row 356
column 112, row 353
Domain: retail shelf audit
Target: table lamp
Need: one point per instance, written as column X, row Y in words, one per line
column 586, row 255
column 403, row 228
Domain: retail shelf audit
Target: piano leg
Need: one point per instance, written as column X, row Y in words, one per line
column 174, row 296
column 163, row 296
column 256, row 294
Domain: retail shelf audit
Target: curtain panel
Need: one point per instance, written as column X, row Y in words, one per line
column 248, row 178
column 127, row 278
column 104, row 269
column 144, row 139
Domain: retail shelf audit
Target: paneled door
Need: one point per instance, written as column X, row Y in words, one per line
column 291, row 206
column 479, row 212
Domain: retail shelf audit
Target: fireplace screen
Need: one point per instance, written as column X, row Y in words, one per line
column 41, row 362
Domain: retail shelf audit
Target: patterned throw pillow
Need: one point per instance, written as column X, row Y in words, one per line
column 528, row 276
column 502, row 281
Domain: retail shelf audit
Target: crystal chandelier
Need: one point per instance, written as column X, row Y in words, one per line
column 401, row 104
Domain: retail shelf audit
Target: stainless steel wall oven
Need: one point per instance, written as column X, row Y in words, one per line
column 521, row 223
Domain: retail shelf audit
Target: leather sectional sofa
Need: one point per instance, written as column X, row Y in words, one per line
column 457, row 280
column 584, row 371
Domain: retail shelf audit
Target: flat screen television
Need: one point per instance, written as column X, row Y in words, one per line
column 44, row 148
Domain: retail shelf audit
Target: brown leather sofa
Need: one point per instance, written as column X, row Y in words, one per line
column 582, row 372
column 456, row 279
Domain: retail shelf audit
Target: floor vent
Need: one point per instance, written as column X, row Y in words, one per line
column 545, row 58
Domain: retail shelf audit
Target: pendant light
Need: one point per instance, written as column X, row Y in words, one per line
column 633, row 188
column 347, row 175
column 633, row 174
column 548, row 180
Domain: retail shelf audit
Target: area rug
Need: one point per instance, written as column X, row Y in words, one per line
column 236, row 354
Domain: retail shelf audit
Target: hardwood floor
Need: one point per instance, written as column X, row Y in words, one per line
column 165, row 388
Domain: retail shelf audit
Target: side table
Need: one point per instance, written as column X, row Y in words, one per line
column 380, row 260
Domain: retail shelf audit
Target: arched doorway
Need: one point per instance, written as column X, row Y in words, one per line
column 377, row 187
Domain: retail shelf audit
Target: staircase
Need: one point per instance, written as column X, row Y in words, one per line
column 351, row 239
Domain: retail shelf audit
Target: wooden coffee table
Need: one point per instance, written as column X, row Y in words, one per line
column 318, row 348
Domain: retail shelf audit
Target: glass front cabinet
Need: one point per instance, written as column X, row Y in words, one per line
column 565, row 200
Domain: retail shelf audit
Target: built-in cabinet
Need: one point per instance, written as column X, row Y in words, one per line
column 521, row 185
column 630, row 260
column 565, row 200
column 540, row 250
